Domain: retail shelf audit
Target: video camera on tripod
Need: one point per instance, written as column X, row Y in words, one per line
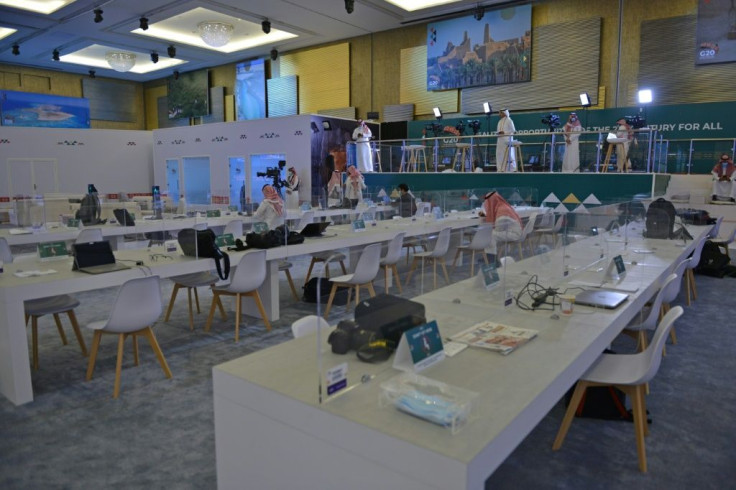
column 474, row 125
column 274, row 173
column 636, row 122
column 552, row 121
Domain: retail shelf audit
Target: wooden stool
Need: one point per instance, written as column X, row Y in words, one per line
column 613, row 142
column 516, row 145
column 462, row 150
column 417, row 157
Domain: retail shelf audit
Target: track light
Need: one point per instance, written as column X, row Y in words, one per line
column 55, row 55
column 171, row 50
column 349, row 6
column 266, row 26
column 176, row 74
column 479, row 12
column 154, row 57
column 585, row 99
column 92, row 74
column 16, row 49
column 274, row 54
column 98, row 15
column 437, row 113
column 143, row 23
column 487, row 109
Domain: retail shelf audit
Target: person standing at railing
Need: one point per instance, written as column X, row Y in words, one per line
column 572, row 129
column 362, row 136
column 505, row 154
column 624, row 131
column 723, row 179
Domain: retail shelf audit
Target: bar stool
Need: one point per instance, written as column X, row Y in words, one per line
column 464, row 153
column 515, row 146
column 416, row 157
column 612, row 143
column 376, row 156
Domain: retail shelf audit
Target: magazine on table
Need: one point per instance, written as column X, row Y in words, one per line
column 495, row 336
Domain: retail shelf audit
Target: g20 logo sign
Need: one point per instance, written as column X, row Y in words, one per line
column 706, row 53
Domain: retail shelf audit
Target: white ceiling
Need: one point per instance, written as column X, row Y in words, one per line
column 72, row 28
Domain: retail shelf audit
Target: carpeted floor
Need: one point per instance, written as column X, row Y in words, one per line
column 160, row 432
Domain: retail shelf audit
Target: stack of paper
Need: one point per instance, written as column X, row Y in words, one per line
column 494, row 336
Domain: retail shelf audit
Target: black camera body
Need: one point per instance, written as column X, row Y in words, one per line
column 349, row 336
column 636, row 122
column 274, row 173
column 435, row 128
column 552, row 121
column 474, row 125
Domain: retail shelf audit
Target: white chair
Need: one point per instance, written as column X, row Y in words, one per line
column 713, row 233
column 192, row 282
column 88, row 235
column 324, row 257
column 692, row 290
column 437, row 254
column 247, row 278
column 307, row 325
column 649, row 315
column 392, row 257
column 551, row 232
column 365, row 271
column 285, row 266
column 526, row 231
column 234, row 227
column 671, row 291
column 6, row 255
column 629, row 373
column 136, row 308
column 481, row 240
column 55, row 305
column 506, row 260
column 725, row 242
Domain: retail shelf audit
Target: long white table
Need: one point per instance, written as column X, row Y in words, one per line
column 272, row 431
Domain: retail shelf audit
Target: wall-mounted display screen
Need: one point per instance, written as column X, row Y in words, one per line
column 467, row 52
column 715, row 39
column 250, row 90
column 43, row 110
column 189, row 95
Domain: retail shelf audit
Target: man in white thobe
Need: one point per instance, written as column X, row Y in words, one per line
column 505, row 129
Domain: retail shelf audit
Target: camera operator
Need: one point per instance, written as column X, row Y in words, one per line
column 505, row 129
column 271, row 209
column 624, row 130
column 572, row 129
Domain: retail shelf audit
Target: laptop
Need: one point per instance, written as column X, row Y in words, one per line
column 95, row 258
column 123, row 217
column 601, row 298
column 315, row 229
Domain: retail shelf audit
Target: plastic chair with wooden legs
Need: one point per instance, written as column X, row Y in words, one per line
column 392, row 257
column 692, row 290
column 136, row 308
column 649, row 315
column 192, row 282
column 247, row 278
column 629, row 373
column 671, row 291
column 724, row 243
column 34, row 309
column 365, row 271
column 437, row 254
column 481, row 240
column 323, row 257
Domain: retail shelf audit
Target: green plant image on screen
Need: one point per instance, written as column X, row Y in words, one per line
column 189, row 95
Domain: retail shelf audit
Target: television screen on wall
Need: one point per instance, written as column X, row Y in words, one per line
column 250, row 90
column 467, row 52
column 189, row 95
column 715, row 32
column 43, row 110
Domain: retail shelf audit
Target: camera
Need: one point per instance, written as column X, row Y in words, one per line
column 435, row 128
column 552, row 121
column 460, row 128
column 474, row 125
column 636, row 122
column 274, row 173
column 349, row 336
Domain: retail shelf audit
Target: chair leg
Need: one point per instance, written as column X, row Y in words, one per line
column 472, row 264
column 215, row 302
column 259, row 304
column 692, row 283
column 371, row 290
column 444, row 269
column 60, row 328
column 135, row 349
column 329, row 300
column 309, row 271
column 118, row 366
column 77, row 332
column 148, row 332
column 454, row 260
column 93, row 354
column 238, row 309
column 196, row 299
column 577, row 395
column 434, row 272
column 385, row 278
column 396, row 276
column 291, row 285
column 411, row 270
column 640, row 421
column 34, row 336
column 189, row 304
column 219, row 305
column 171, row 301
column 673, row 335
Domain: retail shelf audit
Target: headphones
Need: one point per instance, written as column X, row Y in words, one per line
column 239, row 246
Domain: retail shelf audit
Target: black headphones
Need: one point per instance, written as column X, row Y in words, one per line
column 239, row 246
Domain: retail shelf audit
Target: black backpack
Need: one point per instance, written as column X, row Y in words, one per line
column 89, row 210
column 660, row 220
column 201, row 243
column 713, row 262
column 310, row 292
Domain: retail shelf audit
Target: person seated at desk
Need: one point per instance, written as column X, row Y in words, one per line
column 723, row 179
column 407, row 202
column 271, row 209
column 354, row 186
column 506, row 222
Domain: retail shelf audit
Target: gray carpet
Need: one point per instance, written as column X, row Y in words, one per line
column 160, row 432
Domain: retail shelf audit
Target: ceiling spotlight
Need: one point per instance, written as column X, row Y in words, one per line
column 274, row 54
column 92, row 74
column 487, row 107
column 349, row 6
column 16, row 49
column 171, row 50
column 55, row 55
column 479, row 12
column 98, row 15
column 176, row 74
column 143, row 23
column 437, row 113
column 585, row 99
column 266, row 26
column 154, row 57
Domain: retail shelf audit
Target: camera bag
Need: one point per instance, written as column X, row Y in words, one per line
column 201, row 243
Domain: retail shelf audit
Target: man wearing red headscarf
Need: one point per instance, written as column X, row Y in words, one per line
column 723, row 179
column 271, row 209
column 354, row 186
column 506, row 222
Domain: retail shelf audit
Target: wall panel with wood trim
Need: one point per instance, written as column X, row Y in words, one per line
column 413, row 85
column 324, row 77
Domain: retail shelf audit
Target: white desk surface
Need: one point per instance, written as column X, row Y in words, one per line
column 272, row 431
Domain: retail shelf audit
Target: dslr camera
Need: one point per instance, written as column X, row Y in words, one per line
column 552, row 121
column 636, row 122
column 474, row 125
column 274, row 173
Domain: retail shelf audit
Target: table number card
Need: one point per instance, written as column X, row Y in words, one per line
column 358, row 225
column 213, row 213
column 419, row 348
column 52, row 251
column 488, row 276
column 336, row 378
column 226, row 240
column 73, row 223
column 260, row 227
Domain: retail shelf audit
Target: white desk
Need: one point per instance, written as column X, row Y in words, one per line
column 272, row 432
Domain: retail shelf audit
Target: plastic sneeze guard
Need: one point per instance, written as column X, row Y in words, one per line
column 427, row 399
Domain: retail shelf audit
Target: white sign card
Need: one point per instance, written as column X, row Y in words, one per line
column 337, row 378
column 358, row 225
column 419, row 348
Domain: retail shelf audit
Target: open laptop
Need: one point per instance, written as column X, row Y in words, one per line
column 601, row 298
column 315, row 229
column 95, row 258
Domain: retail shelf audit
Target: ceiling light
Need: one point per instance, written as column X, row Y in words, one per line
column 349, row 6
column 266, row 26
column 437, row 113
column 487, row 107
column 6, row 31
column 16, row 49
column 154, row 57
column 143, row 23
column 121, row 61
column 41, row 7
column 215, row 34
column 274, row 54
column 92, row 74
column 171, row 50
column 645, row 96
column 55, row 55
column 479, row 12
column 585, row 99
column 412, row 5
column 98, row 15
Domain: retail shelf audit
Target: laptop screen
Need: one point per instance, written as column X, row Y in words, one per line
column 93, row 253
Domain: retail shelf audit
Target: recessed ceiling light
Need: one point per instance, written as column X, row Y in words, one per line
column 94, row 56
column 412, row 5
column 40, row 6
column 6, row 31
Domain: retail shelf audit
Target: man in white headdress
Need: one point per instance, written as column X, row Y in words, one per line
column 505, row 130
column 571, row 160
column 362, row 136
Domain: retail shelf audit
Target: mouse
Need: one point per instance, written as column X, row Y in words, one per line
column 456, row 301
column 554, row 316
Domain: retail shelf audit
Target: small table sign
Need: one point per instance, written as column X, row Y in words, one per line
column 419, row 348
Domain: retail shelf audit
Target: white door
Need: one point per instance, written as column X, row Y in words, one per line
column 32, row 176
